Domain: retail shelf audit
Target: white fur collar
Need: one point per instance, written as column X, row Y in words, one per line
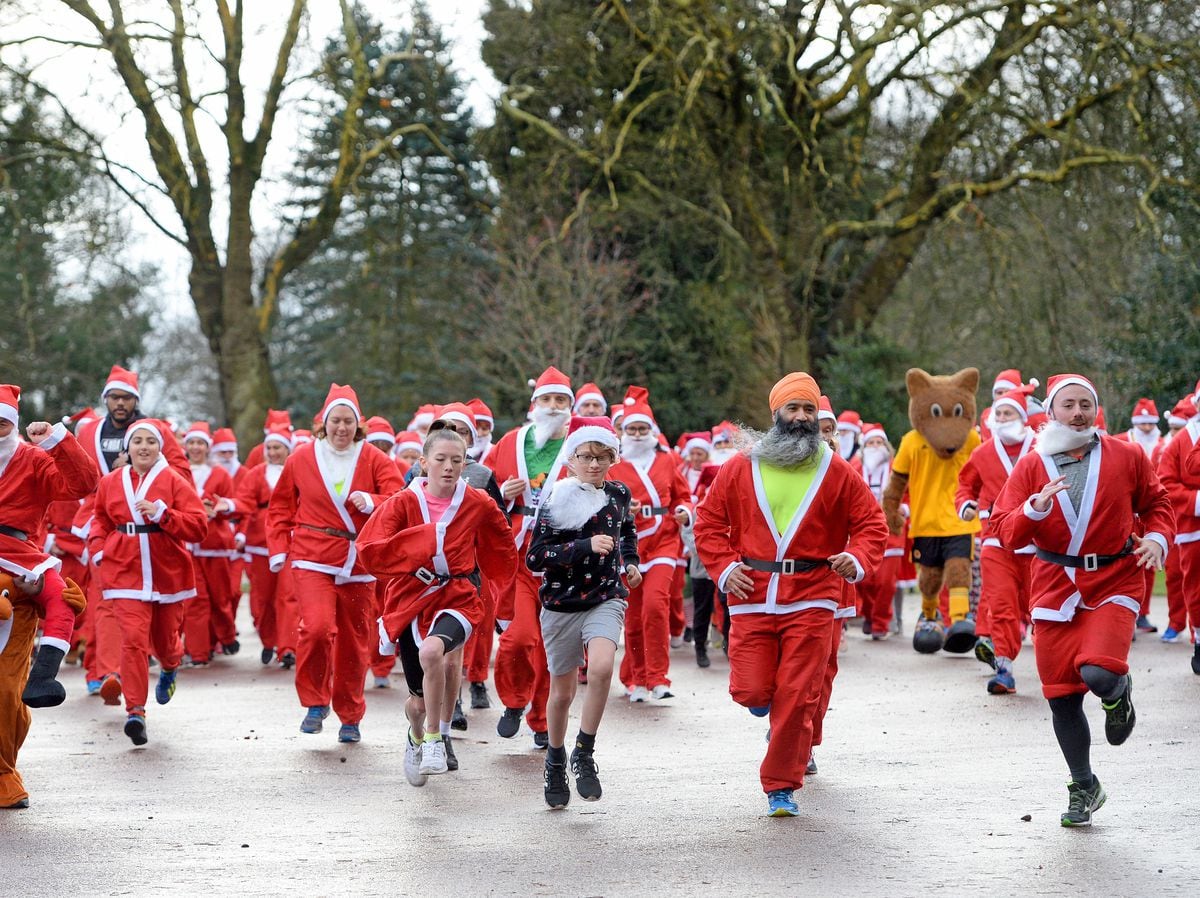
column 572, row 504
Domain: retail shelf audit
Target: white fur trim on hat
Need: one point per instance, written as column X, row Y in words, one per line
column 334, row 404
column 825, row 415
column 382, row 437
column 1068, row 382
column 549, row 389
column 697, row 443
column 1145, row 419
column 638, row 418
column 601, row 435
column 224, row 447
column 407, row 444
column 9, row 413
column 461, row 418
column 1176, row 421
column 276, row 438
column 845, row 425
column 1004, row 385
column 1011, row 403
column 142, row 425
column 199, row 435
column 122, row 386
column 584, row 397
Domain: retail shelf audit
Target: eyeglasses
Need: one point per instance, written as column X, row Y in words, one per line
column 589, row 460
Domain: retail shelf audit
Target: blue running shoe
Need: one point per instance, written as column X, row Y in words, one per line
column 1002, row 683
column 135, row 729
column 761, row 711
column 93, row 687
column 165, row 688
column 349, row 733
column 780, row 804
column 313, row 721
column 1170, row 635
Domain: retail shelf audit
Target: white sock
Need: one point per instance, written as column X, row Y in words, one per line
column 444, row 727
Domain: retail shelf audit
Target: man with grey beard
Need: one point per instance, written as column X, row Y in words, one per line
column 1080, row 499
column 785, row 524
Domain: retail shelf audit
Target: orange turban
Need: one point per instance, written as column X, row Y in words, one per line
column 796, row 385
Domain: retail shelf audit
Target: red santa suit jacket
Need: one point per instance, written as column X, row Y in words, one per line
column 1182, row 484
column 34, row 477
column 60, row 518
column 983, row 477
column 427, row 563
column 838, row 514
column 149, row 567
column 662, row 491
column 305, row 508
column 507, row 461
column 213, row 484
column 89, row 439
column 252, row 500
column 1120, row 485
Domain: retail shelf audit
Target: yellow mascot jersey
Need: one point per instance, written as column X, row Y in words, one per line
column 932, row 483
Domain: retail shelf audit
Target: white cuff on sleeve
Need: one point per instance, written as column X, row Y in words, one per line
column 60, row 644
column 905, row 511
column 860, row 572
column 98, row 557
column 370, row 507
column 970, row 503
column 276, row 562
column 1196, row 505
column 690, row 518
column 1160, row 539
column 1032, row 513
column 725, row 575
column 58, row 433
column 160, row 508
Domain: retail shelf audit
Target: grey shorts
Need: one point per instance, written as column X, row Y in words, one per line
column 567, row 633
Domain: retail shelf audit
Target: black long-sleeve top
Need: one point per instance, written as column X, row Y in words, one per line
column 576, row 578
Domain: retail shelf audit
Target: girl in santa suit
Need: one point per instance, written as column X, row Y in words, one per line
column 878, row 589
column 272, row 601
column 211, row 611
column 1004, row 597
column 662, row 502
column 145, row 515
column 431, row 541
column 323, row 497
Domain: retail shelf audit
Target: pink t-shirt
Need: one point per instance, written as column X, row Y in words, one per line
column 437, row 507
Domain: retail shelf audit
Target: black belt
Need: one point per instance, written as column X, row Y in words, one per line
column 131, row 529
column 428, row 577
column 650, row 511
column 1090, row 562
column 330, row 531
column 786, row 567
column 523, row 510
column 14, row 533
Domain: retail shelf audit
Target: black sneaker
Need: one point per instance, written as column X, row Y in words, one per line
column 811, row 768
column 458, row 720
column 267, row 655
column 1119, row 716
column 287, row 660
column 541, row 739
column 687, row 634
column 1081, row 802
column 231, row 648
column 587, row 778
column 1144, row 625
column 702, row 656
column 479, row 697
column 451, row 758
column 1196, row 660
column 558, row 787
column 510, row 722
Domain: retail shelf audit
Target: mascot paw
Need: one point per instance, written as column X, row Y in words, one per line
column 961, row 637
column 74, row 597
column 927, row 638
column 43, row 694
column 895, row 523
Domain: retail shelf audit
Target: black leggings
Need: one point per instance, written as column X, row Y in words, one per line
column 703, row 593
column 448, row 628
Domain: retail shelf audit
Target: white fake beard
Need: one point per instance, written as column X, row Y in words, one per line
column 1010, row 432
column 231, row 466
column 572, row 503
column 8, row 447
column 1055, row 438
column 638, row 448
column 845, row 444
column 873, row 457
column 1146, row 440
column 547, row 424
column 480, row 447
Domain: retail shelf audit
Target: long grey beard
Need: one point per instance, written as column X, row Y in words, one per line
column 784, row 445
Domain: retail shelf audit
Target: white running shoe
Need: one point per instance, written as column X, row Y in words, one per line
column 676, row 641
column 412, row 763
column 659, row 692
column 639, row 694
column 433, row 757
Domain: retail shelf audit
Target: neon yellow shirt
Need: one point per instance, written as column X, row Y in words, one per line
column 787, row 488
column 932, row 484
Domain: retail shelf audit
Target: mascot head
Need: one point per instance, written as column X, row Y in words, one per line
column 8, row 592
column 942, row 407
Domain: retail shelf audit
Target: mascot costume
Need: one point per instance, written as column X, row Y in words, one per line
column 942, row 412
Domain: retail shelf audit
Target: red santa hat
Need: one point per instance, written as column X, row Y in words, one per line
column 151, row 425
column 408, row 439
column 638, row 412
column 874, row 430
column 423, row 417
column 279, row 433
column 1018, row 398
column 81, row 417
column 1058, row 381
column 724, row 432
column 825, row 410
column 199, row 431
column 592, row 392
column 552, row 381
column 1101, row 424
column 460, row 412
column 701, row 439
column 341, row 395
column 850, row 420
column 300, row 437
column 1010, row 379
column 480, row 410
column 590, row 430
column 120, row 379
column 379, row 429
column 10, row 400
column 277, row 417
column 224, row 440
column 1145, row 412
column 1183, row 412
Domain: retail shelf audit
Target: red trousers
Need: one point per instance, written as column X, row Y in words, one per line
column 73, row 569
column 209, row 615
column 678, row 581
column 1177, row 616
column 336, row 631
column 1004, row 597
column 479, row 647
column 1100, row 637
column 821, row 705
column 103, row 653
column 1189, row 565
column 648, row 630
column 147, row 628
column 269, row 593
column 521, row 675
column 381, row 665
column 876, row 593
column 779, row 660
